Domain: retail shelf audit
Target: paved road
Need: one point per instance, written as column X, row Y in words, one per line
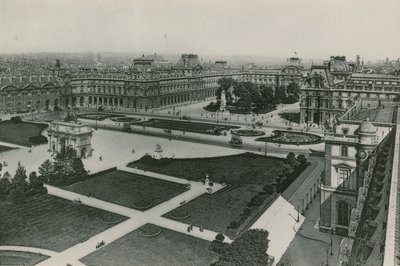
column 248, row 144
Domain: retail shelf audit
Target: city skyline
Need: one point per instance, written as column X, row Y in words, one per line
column 310, row 29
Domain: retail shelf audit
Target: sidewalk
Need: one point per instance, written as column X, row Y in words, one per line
column 310, row 246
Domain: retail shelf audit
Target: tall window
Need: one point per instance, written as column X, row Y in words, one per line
column 344, row 180
column 344, row 151
column 343, row 213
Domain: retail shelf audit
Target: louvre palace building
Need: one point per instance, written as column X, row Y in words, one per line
column 330, row 89
column 147, row 84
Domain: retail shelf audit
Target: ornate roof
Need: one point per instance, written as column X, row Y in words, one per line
column 366, row 127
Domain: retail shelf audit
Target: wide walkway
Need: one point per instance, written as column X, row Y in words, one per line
column 137, row 218
column 297, row 207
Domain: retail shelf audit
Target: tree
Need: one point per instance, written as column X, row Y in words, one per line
column 269, row 189
column 79, row 168
column 47, row 171
column 280, row 94
column 291, row 157
column 36, row 184
column 220, row 237
column 5, row 184
column 302, row 159
column 63, row 163
column 20, row 179
column 250, row 248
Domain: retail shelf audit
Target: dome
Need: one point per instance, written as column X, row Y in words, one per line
column 367, row 127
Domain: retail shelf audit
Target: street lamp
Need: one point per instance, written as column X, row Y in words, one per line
column 265, row 148
column 331, row 242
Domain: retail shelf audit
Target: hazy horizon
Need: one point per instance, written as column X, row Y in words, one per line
column 312, row 29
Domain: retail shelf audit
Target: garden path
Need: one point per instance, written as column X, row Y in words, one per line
column 137, row 219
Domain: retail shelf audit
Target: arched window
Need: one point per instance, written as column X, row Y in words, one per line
column 343, row 213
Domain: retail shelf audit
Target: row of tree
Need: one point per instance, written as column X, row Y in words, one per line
column 64, row 170
column 248, row 96
column 20, row 186
column 288, row 175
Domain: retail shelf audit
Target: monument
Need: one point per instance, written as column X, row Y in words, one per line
column 70, row 134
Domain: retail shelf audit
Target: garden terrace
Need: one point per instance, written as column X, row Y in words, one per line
column 22, row 133
column 247, row 174
column 20, row 258
column 183, row 125
column 127, row 189
column 98, row 116
column 216, row 212
column 167, row 248
column 292, row 138
column 49, row 222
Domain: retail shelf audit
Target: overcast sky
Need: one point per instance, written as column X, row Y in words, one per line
column 312, row 28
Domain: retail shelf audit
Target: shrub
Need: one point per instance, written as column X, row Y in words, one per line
column 233, row 225
column 36, row 140
column 219, row 247
column 246, row 211
column 269, row 189
column 16, row 119
column 220, row 237
column 256, row 201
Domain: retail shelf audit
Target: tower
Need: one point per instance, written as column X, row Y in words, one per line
column 367, row 143
column 346, row 149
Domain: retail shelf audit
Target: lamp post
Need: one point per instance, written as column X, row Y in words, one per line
column 265, row 148
column 331, row 242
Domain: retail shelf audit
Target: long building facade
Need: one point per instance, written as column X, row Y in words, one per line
column 146, row 85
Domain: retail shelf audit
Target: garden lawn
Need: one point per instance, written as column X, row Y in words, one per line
column 49, row 222
column 168, row 248
column 20, row 258
column 19, row 133
column 245, row 168
column 127, row 189
column 247, row 174
column 183, row 125
column 217, row 212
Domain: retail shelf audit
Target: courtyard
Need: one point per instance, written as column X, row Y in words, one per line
column 127, row 189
